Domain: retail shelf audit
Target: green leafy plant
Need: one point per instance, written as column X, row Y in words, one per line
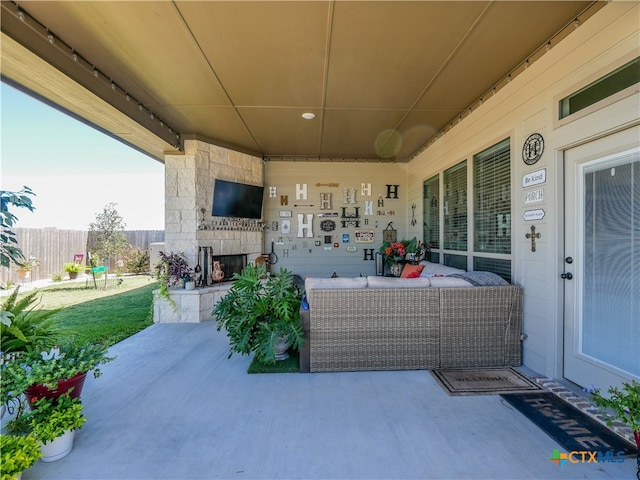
column 623, row 402
column 18, row 453
column 258, row 310
column 13, row 380
column 49, row 418
column 67, row 360
column 170, row 271
column 9, row 251
column 28, row 327
column 73, row 267
column 137, row 260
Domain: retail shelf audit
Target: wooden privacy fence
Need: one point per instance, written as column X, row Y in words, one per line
column 53, row 248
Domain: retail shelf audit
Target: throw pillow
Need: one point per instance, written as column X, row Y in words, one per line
column 410, row 269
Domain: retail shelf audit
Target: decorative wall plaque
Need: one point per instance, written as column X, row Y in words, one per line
column 532, row 148
column 364, row 236
column 327, row 225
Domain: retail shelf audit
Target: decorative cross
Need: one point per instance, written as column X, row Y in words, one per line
column 533, row 235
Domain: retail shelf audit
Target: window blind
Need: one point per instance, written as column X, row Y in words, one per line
column 455, row 207
column 492, row 205
column 431, row 201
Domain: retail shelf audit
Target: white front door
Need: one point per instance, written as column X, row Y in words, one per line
column 602, row 261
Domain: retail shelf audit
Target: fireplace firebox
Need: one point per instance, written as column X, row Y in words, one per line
column 229, row 264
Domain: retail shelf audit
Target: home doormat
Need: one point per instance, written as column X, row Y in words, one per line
column 483, row 381
column 572, row 429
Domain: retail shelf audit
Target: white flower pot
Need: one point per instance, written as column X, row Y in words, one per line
column 190, row 285
column 58, row 448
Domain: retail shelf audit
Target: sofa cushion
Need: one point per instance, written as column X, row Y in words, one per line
column 482, row 279
column 431, row 269
column 411, row 271
column 394, row 282
column 449, row 282
column 333, row 283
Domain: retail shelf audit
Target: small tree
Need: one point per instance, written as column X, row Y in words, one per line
column 108, row 232
column 9, row 251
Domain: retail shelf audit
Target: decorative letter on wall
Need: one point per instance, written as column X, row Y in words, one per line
column 302, row 225
column 365, row 189
column 349, row 195
column 301, row 191
column 272, row 192
column 368, row 207
column 325, row 201
column 392, row 191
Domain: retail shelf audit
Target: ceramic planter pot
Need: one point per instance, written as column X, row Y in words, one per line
column 281, row 347
column 58, row 448
column 37, row 391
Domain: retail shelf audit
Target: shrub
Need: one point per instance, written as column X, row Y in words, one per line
column 137, row 260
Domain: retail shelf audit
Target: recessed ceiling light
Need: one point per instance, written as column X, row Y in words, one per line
column 308, row 116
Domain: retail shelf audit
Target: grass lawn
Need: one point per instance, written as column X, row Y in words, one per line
column 103, row 315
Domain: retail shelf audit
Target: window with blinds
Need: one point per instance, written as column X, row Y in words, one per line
column 492, row 202
column 430, row 199
column 455, row 207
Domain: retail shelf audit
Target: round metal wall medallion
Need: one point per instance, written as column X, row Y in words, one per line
column 532, row 148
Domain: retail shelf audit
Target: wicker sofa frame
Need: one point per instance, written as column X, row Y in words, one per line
column 354, row 329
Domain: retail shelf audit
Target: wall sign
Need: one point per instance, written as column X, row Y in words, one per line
column 534, row 196
column 364, row 236
column 533, row 214
column 534, row 178
column 327, row 225
column 532, row 148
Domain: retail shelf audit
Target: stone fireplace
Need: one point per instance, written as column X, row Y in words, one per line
column 190, row 228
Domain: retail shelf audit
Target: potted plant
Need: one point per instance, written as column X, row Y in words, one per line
column 624, row 403
column 259, row 312
column 24, row 327
column 53, row 424
column 50, row 373
column 171, row 271
column 73, row 269
column 18, row 453
column 24, row 268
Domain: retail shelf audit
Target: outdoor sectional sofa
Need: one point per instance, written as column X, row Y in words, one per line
column 381, row 323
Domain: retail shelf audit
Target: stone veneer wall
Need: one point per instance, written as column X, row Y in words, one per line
column 189, row 180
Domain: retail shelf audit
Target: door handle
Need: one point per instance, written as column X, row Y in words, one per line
column 569, row 260
column 566, row 276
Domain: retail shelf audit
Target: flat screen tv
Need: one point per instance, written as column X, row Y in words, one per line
column 237, row 200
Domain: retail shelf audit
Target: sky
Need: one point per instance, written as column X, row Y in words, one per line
column 74, row 169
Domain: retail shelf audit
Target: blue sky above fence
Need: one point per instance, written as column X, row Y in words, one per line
column 74, row 169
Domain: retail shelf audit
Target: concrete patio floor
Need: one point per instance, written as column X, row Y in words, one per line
column 172, row 406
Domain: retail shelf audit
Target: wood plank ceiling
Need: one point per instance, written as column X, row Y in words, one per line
column 381, row 77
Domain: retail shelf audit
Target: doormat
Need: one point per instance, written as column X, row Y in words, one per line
column 290, row 365
column 568, row 426
column 483, row 381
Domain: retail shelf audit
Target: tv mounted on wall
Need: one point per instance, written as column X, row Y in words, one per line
column 237, row 200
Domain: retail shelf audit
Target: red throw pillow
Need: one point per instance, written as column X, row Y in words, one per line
column 409, row 270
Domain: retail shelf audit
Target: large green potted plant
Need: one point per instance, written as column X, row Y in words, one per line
column 624, row 403
column 17, row 454
column 24, row 327
column 53, row 424
column 52, row 372
column 73, row 269
column 260, row 312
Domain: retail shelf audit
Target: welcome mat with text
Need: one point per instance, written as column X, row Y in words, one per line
column 483, row 381
column 572, row 429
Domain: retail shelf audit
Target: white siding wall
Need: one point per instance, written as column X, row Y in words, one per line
column 526, row 105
